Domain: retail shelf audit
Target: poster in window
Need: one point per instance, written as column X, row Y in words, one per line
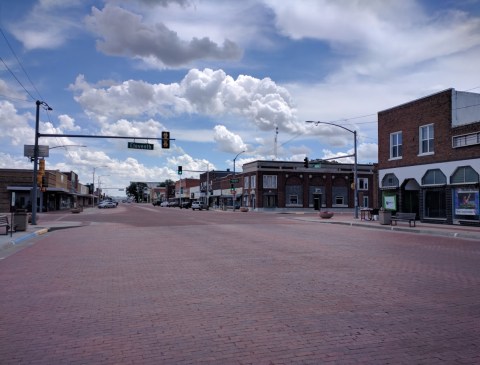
column 390, row 202
column 466, row 202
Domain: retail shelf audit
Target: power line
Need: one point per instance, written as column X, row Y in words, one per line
column 18, row 60
column 15, row 77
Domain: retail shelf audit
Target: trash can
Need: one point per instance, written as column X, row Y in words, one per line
column 20, row 220
column 385, row 217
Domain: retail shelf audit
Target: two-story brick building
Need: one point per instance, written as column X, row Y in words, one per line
column 429, row 157
column 265, row 185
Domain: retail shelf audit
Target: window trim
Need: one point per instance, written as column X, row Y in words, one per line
column 399, row 150
column 274, row 181
column 421, row 140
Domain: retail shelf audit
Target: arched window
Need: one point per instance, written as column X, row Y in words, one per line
column 390, row 181
column 434, row 177
column 464, row 175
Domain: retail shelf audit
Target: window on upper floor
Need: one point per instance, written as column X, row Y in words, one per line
column 426, row 139
column 396, row 145
column 269, row 181
column 362, row 183
column 246, row 181
column 466, row 140
column 253, row 181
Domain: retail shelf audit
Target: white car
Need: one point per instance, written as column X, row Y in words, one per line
column 107, row 204
column 199, row 205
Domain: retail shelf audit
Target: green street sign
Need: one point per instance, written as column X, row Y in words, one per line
column 234, row 181
column 140, row 146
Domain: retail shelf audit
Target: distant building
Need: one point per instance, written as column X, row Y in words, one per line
column 280, row 185
column 429, row 157
column 57, row 190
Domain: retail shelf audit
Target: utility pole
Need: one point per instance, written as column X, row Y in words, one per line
column 35, row 160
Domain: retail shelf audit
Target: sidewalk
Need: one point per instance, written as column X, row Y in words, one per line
column 43, row 226
column 347, row 218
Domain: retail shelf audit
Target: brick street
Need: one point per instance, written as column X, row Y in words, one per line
column 258, row 289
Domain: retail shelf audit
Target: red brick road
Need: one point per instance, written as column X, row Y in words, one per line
column 273, row 292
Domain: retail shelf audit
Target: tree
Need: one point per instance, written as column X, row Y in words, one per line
column 135, row 190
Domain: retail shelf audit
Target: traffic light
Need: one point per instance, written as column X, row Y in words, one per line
column 232, row 187
column 305, row 162
column 165, row 139
column 41, row 166
column 179, row 171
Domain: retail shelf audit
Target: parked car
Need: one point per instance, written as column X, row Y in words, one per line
column 199, row 205
column 157, row 202
column 107, row 204
column 185, row 204
column 164, row 204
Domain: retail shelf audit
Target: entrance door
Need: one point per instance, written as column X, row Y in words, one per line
column 317, row 201
column 270, row 201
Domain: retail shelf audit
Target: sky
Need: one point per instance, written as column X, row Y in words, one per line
column 230, row 80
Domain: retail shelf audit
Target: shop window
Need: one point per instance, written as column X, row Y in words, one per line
column 396, row 145
column 435, row 205
column 434, row 177
column 466, row 203
column 426, row 139
column 293, row 199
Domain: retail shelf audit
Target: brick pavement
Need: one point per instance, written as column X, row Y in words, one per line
column 286, row 293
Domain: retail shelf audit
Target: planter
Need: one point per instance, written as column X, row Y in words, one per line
column 326, row 215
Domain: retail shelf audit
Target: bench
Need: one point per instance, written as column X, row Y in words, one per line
column 4, row 223
column 406, row 217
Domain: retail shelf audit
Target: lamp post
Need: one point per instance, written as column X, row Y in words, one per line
column 355, row 184
column 98, row 182
column 93, row 184
column 35, row 159
column 234, row 190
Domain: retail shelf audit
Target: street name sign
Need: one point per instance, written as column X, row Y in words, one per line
column 140, row 146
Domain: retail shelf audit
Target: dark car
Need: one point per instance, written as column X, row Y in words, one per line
column 185, row 204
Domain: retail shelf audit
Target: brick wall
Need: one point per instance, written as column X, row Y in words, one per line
column 407, row 118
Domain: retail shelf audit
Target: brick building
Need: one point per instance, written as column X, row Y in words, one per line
column 60, row 191
column 265, row 185
column 429, row 157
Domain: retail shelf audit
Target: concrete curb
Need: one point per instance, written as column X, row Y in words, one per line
column 426, row 231
column 28, row 236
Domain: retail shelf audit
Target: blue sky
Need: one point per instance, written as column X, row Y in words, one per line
column 221, row 76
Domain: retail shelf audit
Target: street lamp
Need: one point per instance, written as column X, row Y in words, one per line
column 355, row 184
column 98, row 182
column 67, row 145
column 93, row 184
column 35, row 159
column 234, row 190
